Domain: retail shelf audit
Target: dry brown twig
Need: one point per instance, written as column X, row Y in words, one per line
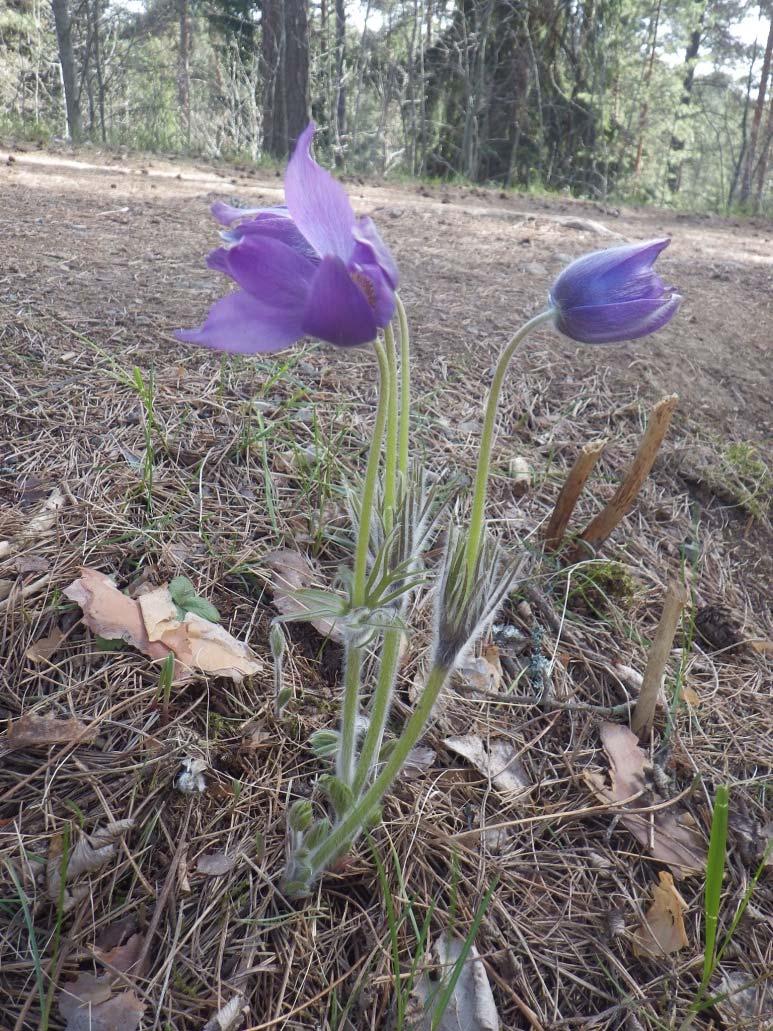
column 571, row 490
column 622, row 501
column 675, row 599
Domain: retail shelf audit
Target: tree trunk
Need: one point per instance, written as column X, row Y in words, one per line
column 67, row 61
column 340, row 105
column 285, row 65
column 183, row 69
column 751, row 151
column 678, row 141
column 296, row 61
column 739, row 164
column 272, row 47
column 646, row 79
column 762, row 164
column 99, row 71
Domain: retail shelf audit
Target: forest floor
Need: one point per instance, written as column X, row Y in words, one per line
column 228, row 459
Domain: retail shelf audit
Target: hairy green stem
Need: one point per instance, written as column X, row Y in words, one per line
column 405, row 388
column 353, row 674
column 390, row 462
column 371, row 479
column 347, row 742
column 382, row 696
column 346, row 830
column 475, row 534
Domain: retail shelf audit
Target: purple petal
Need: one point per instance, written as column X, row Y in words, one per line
column 371, row 249
column 268, row 269
column 318, row 204
column 377, row 288
column 338, row 311
column 278, row 227
column 615, row 275
column 227, row 214
column 240, row 324
column 613, row 323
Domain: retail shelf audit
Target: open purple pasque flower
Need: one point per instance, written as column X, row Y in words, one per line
column 613, row 295
column 308, row 269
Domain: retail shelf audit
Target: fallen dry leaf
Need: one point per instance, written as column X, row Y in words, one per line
column 89, row 854
column 46, row 517
column 671, row 835
column 197, row 643
column 88, row 1004
column 292, row 572
column 31, row 731
column 500, row 764
column 471, row 1007
column 483, row 673
column 123, row 957
column 690, row 696
column 31, row 564
column 45, row 647
column 417, row 762
column 215, row 864
column 109, row 613
column 151, row 624
column 748, row 1006
column 227, row 1016
column 662, row 931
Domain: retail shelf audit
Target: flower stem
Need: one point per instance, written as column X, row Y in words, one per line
column 475, row 535
column 390, row 464
column 405, row 388
column 347, row 829
column 349, row 712
column 382, row 696
column 371, row 478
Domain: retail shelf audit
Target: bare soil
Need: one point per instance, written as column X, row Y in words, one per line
column 102, row 259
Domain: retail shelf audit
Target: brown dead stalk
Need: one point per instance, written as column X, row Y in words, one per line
column 570, row 492
column 675, row 599
column 613, row 513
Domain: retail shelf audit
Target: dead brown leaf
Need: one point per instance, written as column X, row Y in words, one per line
column 90, row 854
column 746, row 1003
column 43, row 649
column 31, row 731
column 292, row 572
column 500, row 763
column 662, row 931
column 123, row 957
column 671, row 835
column 109, row 613
column 89, row 1004
column 215, row 864
column 46, row 516
column 472, row 1006
column 483, row 673
column 196, row 642
column 31, row 564
column 417, row 762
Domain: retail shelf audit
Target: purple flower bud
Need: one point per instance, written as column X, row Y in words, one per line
column 613, row 295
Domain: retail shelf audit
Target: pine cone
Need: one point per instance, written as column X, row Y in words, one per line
column 717, row 627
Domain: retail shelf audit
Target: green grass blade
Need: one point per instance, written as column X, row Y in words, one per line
column 715, row 872
column 36, row 960
column 447, row 991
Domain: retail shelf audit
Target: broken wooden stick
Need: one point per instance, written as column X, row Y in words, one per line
column 622, row 501
column 570, row 492
column 676, row 597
